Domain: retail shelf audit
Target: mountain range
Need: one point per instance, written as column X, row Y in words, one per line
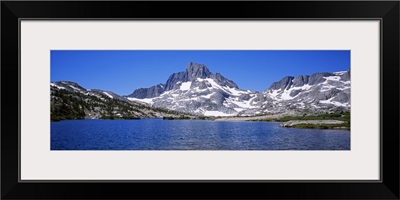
column 198, row 91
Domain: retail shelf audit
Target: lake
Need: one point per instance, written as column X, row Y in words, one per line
column 158, row 134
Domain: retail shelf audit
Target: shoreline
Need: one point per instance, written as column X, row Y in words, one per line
column 324, row 121
column 317, row 124
column 327, row 121
column 252, row 118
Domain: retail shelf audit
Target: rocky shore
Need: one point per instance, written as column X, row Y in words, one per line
column 324, row 124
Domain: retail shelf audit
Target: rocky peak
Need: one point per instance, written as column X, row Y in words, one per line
column 150, row 92
column 318, row 78
column 300, row 80
column 285, row 82
column 191, row 74
column 195, row 70
column 221, row 80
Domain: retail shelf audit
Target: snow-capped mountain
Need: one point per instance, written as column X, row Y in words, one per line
column 199, row 91
column 316, row 93
column 334, row 87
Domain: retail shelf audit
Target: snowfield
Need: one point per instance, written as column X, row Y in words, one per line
column 148, row 101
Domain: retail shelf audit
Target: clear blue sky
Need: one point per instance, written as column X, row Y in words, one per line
column 124, row 71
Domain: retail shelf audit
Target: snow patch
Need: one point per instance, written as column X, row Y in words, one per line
column 243, row 104
column 186, row 85
column 59, row 87
column 304, row 87
column 216, row 113
column 339, row 73
column 327, row 88
column 75, row 88
column 274, row 93
column 234, row 91
column 213, row 83
column 208, row 95
column 286, row 93
column 332, row 78
column 108, row 95
column 147, row 100
column 329, row 101
column 239, row 109
column 315, row 106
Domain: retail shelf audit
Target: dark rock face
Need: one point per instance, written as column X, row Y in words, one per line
column 289, row 81
column 286, row 82
column 294, row 93
column 327, row 94
column 221, row 80
column 192, row 72
column 300, row 81
column 346, row 76
column 195, row 70
column 342, row 97
column 150, row 92
column 202, row 85
column 175, row 78
column 244, row 97
column 318, row 78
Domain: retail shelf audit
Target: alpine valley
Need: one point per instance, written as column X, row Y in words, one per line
column 197, row 92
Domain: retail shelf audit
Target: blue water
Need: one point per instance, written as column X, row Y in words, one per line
column 158, row 134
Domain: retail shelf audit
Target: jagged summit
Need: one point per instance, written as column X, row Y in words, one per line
column 315, row 93
column 194, row 72
column 193, row 67
column 289, row 81
column 199, row 91
column 282, row 84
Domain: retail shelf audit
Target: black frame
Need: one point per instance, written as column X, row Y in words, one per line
column 386, row 11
